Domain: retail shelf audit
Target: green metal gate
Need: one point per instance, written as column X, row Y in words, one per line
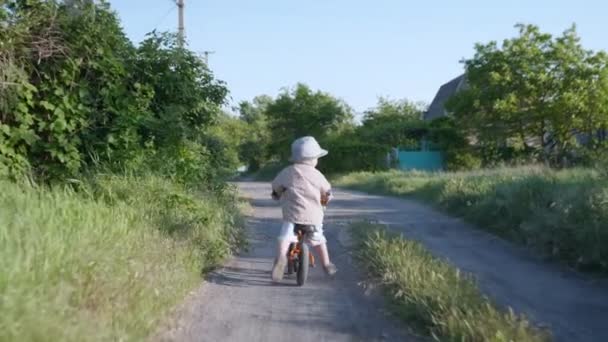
column 424, row 158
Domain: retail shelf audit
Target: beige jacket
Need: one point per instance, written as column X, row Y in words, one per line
column 300, row 187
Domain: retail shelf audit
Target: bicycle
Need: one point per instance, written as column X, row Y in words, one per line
column 299, row 257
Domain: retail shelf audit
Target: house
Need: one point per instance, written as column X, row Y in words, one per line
column 437, row 107
column 437, row 110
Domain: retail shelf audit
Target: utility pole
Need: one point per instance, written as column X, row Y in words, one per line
column 180, row 25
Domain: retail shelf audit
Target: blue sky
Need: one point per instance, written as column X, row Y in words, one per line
column 357, row 50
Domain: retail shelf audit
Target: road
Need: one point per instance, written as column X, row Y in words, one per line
column 239, row 302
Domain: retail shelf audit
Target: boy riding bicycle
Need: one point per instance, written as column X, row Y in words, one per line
column 303, row 192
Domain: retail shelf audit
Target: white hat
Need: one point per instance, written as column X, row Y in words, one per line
column 306, row 148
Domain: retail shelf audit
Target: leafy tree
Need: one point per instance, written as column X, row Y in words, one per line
column 393, row 123
column 224, row 141
column 76, row 91
column 579, row 102
column 507, row 88
column 255, row 111
column 534, row 93
column 302, row 112
column 254, row 149
column 387, row 109
column 186, row 96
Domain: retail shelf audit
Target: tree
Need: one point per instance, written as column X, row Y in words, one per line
column 255, row 111
column 393, row 123
column 534, row 93
column 254, row 147
column 301, row 112
column 186, row 95
column 80, row 92
column 507, row 88
column 224, row 140
column 387, row 109
column 578, row 105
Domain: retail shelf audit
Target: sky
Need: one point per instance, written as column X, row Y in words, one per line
column 357, row 50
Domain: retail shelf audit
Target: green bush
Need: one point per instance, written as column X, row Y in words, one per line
column 561, row 214
column 347, row 156
column 106, row 262
column 433, row 295
column 76, row 91
column 461, row 160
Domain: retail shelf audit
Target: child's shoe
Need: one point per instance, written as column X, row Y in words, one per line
column 279, row 268
column 330, row 269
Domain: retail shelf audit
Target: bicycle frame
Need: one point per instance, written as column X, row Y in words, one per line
column 295, row 251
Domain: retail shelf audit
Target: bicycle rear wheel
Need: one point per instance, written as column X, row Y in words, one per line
column 303, row 260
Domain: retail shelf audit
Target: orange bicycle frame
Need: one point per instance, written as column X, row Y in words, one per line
column 296, row 250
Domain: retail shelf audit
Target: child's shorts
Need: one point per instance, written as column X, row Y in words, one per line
column 287, row 234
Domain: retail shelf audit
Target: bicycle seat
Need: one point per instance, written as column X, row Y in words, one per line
column 304, row 228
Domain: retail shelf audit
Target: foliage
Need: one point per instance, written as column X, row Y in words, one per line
column 449, row 138
column 225, row 140
column 348, row 155
column 301, row 112
column 535, row 93
column 41, row 123
column 461, row 160
column 434, row 295
column 254, row 148
column 561, row 214
column 352, row 148
column 77, row 92
column 107, row 262
column 393, row 124
column 186, row 97
column 398, row 124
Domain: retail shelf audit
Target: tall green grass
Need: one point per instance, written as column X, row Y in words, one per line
column 432, row 295
column 107, row 262
column 562, row 214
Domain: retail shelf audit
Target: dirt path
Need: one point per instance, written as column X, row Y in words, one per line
column 239, row 303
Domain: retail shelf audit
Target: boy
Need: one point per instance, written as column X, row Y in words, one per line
column 303, row 191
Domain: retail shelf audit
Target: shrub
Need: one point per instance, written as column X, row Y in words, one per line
column 77, row 91
column 346, row 156
column 461, row 160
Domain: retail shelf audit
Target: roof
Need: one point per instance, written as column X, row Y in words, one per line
column 437, row 107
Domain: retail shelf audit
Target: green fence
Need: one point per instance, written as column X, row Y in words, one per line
column 424, row 157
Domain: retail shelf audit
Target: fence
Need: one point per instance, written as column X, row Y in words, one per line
column 423, row 157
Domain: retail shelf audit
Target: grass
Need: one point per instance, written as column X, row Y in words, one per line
column 432, row 295
column 106, row 262
column 561, row 214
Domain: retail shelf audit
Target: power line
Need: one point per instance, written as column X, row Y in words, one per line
column 171, row 9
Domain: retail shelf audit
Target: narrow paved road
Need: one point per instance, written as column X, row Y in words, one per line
column 239, row 303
